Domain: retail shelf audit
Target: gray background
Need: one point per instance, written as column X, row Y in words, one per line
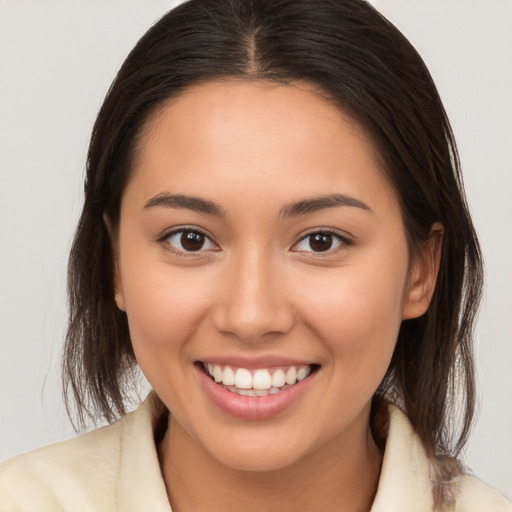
column 57, row 59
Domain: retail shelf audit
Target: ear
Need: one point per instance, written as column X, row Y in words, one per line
column 114, row 242
column 423, row 274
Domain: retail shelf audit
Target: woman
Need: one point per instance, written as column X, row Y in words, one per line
column 274, row 230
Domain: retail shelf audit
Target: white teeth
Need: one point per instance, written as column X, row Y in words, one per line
column 303, row 372
column 243, row 379
column 291, row 375
column 261, row 383
column 261, row 380
column 278, row 379
column 217, row 373
column 228, row 376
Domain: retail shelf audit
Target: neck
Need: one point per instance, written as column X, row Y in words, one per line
column 340, row 476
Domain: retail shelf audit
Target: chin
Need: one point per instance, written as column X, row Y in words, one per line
column 258, row 459
column 259, row 448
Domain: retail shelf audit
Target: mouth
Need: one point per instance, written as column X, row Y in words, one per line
column 257, row 382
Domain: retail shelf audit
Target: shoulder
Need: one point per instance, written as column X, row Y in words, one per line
column 474, row 495
column 59, row 476
column 109, row 469
column 408, row 481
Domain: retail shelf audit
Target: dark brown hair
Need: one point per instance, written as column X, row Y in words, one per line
column 368, row 69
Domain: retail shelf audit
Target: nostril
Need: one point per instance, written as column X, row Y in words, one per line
column 254, row 326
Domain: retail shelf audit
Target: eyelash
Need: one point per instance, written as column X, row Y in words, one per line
column 165, row 240
column 343, row 241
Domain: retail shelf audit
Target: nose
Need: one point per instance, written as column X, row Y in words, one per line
column 253, row 303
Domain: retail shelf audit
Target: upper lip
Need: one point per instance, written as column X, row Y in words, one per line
column 265, row 361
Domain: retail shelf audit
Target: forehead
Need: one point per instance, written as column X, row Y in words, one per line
column 230, row 103
column 257, row 137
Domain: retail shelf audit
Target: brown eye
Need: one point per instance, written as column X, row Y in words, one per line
column 190, row 240
column 321, row 241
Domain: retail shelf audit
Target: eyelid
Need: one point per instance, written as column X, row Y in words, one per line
column 344, row 238
column 164, row 240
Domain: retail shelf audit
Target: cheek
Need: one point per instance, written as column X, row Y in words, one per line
column 164, row 309
column 357, row 312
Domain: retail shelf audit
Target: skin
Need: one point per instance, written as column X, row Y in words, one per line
column 258, row 289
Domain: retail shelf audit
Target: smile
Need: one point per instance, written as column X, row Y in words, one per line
column 257, row 382
column 256, row 392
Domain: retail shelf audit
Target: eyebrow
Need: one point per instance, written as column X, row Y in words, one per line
column 302, row 207
column 178, row 201
column 319, row 203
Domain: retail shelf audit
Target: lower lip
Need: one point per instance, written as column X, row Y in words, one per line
column 249, row 407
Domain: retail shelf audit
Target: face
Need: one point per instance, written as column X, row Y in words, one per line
column 264, row 269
